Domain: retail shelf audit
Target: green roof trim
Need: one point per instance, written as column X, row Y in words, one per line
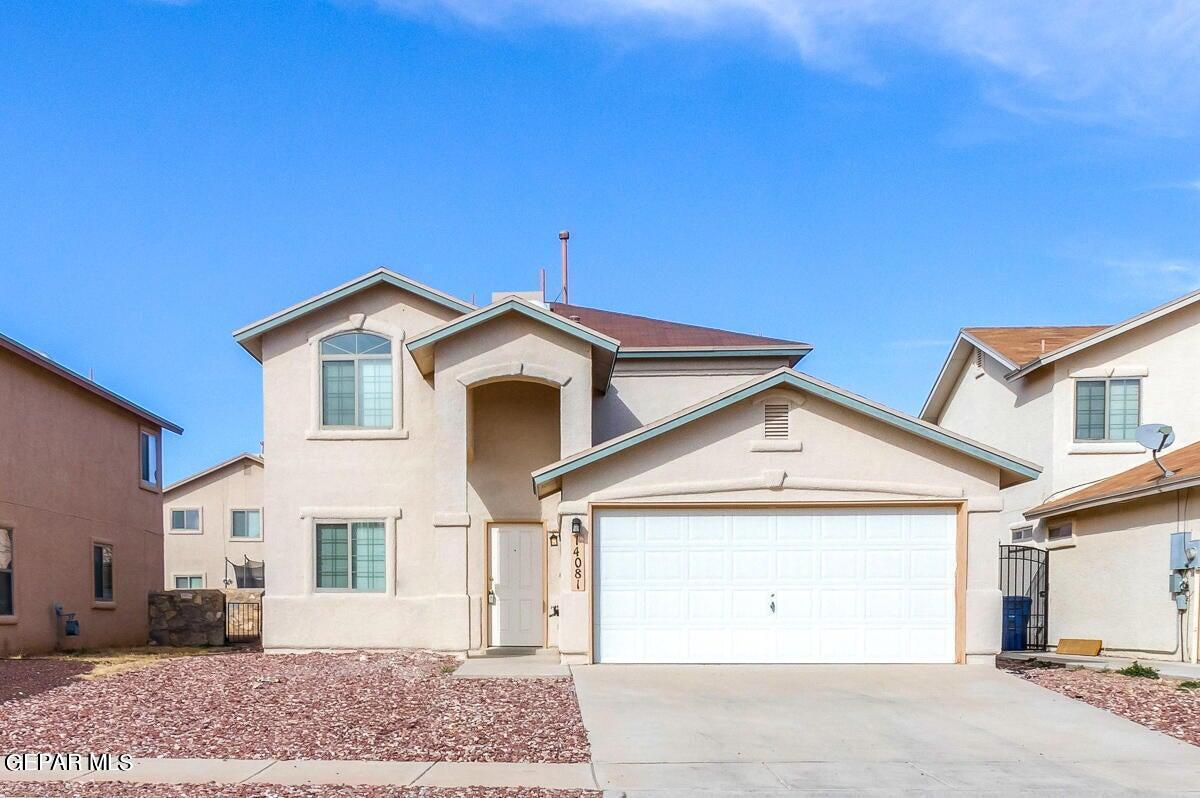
column 512, row 305
column 799, row 381
column 377, row 277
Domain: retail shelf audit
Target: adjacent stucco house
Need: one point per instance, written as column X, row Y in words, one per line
column 80, row 507
column 1071, row 398
column 215, row 527
column 620, row 488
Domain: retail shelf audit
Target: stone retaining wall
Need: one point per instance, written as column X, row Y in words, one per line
column 187, row 618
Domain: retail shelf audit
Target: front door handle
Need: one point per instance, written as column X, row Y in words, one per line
column 491, row 597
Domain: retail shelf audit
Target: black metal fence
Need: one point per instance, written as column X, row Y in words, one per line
column 1025, row 585
column 243, row 621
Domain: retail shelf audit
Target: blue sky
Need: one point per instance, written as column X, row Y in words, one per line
column 866, row 176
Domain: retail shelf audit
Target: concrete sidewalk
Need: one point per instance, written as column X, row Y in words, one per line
column 273, row 771
column 1167, row 668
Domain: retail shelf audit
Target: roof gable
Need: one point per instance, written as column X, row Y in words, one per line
column 250, row 335
column 235, row 460
column 91, row 386
column 545, row 479
column 1020, row 345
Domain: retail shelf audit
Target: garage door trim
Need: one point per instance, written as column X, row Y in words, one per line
column 960, row 546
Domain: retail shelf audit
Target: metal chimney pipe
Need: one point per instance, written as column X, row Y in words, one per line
column 543, row 284
column 563, row 236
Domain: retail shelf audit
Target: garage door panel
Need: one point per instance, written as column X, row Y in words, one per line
column 848, row 585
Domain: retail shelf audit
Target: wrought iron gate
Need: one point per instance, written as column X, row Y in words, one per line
column 1025, row 585
column 243, row 621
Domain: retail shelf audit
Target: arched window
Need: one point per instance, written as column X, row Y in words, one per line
column 356, row 381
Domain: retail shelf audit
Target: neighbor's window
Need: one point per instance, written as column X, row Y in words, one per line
column 775, row 420
column 1107, row 410
column 185, row 520
column 6, row 572
column 189, row 582
column 247, row 524
column 356, row 381
column 350, row 556
column 149, row 457
column 1059, row 532
column 1022, row 534
column 102, row 571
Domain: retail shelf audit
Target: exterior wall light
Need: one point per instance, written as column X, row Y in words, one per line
column 576, row 527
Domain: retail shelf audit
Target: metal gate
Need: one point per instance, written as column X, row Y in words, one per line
column 1025, row 585
column 243, row 621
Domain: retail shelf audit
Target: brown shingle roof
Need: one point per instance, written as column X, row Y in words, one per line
column 1184, row 462
column 1023, row 344
column 643, row 332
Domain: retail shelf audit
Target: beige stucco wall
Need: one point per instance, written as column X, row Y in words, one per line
column 642, row 391
column 69, row 474
column 238, row 486
column 1110, row 581
column 845, row 457
column 1034, row 417
column 415, row 477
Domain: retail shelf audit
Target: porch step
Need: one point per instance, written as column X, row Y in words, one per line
column 513, row 663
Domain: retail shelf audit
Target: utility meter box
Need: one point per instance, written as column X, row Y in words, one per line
column 1181, row 546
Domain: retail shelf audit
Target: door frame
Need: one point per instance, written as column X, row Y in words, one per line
column 960, row 548
column 487, row 577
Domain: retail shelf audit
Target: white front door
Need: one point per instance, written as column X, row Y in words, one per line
column 515, row 598
column 781, row 585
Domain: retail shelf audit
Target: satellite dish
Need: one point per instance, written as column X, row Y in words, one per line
column 1156, row 437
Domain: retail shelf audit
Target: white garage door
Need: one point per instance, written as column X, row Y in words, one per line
column 803, row 585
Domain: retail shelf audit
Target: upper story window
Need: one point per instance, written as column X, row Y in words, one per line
column 6, row 572
column 246, row 525
column 148, row 452
column 356, row 381
column 1107, row 410
column 185, row 519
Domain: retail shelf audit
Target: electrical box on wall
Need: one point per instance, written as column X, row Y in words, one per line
column 1183, row 551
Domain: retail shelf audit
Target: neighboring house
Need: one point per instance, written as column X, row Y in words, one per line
column 620, row 488
column 1071, row 398
column 80, row 507
column 215, row 526
column 1110, row 582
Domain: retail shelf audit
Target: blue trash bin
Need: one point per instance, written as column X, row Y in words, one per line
column 1016, row 622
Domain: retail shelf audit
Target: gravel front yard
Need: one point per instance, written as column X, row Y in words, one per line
column 21, row 678
column 112, row 789
column 1159, row 704
column 394, row 706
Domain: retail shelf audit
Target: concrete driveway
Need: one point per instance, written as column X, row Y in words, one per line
column 741, row 729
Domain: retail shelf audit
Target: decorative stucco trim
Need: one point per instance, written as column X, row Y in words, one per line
column 386, row 276
column 1106, row 447
column 498, row 371
column 451, row 519
column 772, row 480
column 356, row 322
column 787, row 377
column 1110, row 371
column 357, row 512
column 774, row 445
column 986, row 504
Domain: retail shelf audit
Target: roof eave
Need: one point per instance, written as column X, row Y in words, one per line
column 956, row 359
column 1119, row 497
column 212, row 470
column 794, row 352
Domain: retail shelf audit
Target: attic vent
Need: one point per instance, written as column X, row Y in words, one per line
column 775, row 421
column 978, row 358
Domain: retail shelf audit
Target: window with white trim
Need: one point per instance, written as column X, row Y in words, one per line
column 246, row 525
column 6, row 573
column 1022, row 534
column 1107, row 409
column 148, row 453
column 356, row 381
column 775, row 420
column 185, row 519
column 350, row 556
column 189, row 582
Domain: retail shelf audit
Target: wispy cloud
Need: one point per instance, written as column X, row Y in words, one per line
column 1093, row 60
column 1157, row 277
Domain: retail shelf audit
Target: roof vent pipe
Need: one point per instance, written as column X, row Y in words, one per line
column 563, row 236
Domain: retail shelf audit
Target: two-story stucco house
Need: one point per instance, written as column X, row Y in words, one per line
column 1070, row 399
column 619, row 488
column 215, row 528
column 80, row 508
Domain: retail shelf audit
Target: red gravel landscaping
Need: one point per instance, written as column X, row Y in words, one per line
column 21, row 678
column 1159, row 704
column 112, row 789
column 250, row 705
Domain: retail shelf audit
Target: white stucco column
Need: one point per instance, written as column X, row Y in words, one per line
column 984, row 603
column 575, row 416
